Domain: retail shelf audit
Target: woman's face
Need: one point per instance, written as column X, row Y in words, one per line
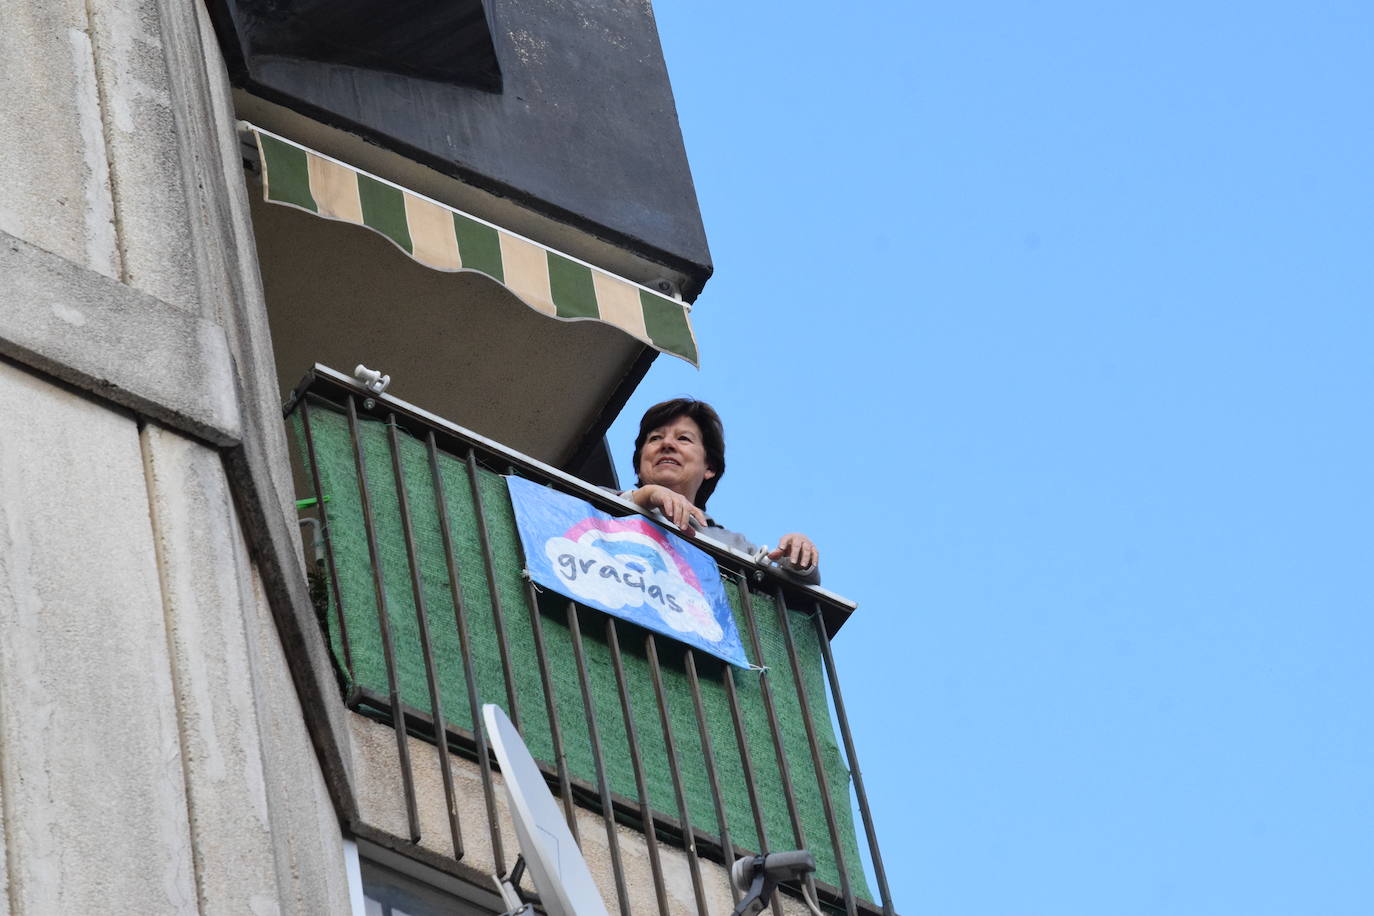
column 674, row 457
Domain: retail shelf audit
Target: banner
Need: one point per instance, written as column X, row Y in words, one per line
column 628, row 567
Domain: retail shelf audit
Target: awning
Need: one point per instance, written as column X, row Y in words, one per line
column 446, row 239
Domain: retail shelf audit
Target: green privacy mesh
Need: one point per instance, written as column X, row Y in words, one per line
column 342, row 500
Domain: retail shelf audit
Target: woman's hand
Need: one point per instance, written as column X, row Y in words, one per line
column 797, row 551
column 675, row 507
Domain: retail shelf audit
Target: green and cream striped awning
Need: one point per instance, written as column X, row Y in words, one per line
column 446, row 239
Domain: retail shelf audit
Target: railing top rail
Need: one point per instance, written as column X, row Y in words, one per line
column 328, row 383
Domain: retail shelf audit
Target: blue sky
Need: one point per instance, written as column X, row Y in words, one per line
column 1052, row 323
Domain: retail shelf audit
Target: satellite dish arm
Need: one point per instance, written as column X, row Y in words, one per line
column 759, row 892
column 512, row 896
column 763, row 873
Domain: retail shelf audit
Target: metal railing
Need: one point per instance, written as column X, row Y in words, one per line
column 456, row 460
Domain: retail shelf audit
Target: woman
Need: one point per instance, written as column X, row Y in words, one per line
column 679, row 458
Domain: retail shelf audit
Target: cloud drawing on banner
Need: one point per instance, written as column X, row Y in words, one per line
column 618, row 564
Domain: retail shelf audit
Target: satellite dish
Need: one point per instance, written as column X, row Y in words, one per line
column 560, row 873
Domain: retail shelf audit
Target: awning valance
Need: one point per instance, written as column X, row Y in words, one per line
column 443, row 238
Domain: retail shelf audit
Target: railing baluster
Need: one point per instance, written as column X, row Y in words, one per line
column 646, row 814
column 746, row 759
column 398, row 718
column 766, row 691
column 560, row 757
column 689, row 840
column 603, row 785
column 708, row 753
column 460, row 621
column 324, row 533
column 852, row 757
column 817, row 764
column 493, row 587
column 747, row 765
column 436, row 705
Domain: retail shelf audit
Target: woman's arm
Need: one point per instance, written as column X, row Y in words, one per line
column 675, row 507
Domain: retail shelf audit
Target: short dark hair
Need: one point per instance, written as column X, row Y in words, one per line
column 712, row 437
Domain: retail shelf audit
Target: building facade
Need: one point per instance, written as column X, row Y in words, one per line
column 185, row 726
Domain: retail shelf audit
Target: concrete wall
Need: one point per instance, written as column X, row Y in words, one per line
column 381, row 805
column 154, row 754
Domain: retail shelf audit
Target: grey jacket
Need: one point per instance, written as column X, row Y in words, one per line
column 713, row 530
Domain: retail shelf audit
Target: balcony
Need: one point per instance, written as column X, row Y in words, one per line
column 419, row 586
